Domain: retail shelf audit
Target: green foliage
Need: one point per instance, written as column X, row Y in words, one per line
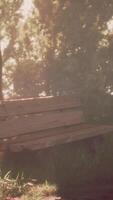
column 81, row 57
column 68, row 45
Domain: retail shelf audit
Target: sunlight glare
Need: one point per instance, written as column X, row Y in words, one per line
column 26, row 9
column 110, row 26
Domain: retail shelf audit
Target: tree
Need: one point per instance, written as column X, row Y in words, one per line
column 25, row 46
column 80, row 51
column 62, row 47
column 9, row 19
column 1, row 95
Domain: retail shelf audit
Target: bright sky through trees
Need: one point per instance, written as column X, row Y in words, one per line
column 26, row 9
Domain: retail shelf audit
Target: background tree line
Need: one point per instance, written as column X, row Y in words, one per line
column 59, row 47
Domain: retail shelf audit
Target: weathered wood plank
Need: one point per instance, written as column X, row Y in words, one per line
column 66, row 137
column 46, row 133
column 37, row 105
column 2, row 110
column 42, row 121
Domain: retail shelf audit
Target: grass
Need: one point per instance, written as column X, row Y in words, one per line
column 40, row 192
column 12, row 188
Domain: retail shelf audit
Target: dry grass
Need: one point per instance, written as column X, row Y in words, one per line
column 41, row 192
column 12, row 188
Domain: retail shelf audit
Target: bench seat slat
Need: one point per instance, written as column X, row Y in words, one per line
column 61, row 138
column 46, row 133
column 39, row 123
column 33, row 123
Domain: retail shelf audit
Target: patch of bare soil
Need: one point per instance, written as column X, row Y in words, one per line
column 95, row 192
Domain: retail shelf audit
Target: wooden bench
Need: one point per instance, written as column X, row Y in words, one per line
column 39, row 123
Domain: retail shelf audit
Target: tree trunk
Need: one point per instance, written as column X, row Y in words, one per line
column 1, row 94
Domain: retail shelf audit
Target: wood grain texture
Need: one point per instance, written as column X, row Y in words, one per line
column 39, row 123
column 37, row 105
column 46, row 133
column 61, row 138
column 33, row 123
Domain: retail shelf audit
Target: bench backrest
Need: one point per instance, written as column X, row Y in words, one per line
column 33, row 124
column 27, row 116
